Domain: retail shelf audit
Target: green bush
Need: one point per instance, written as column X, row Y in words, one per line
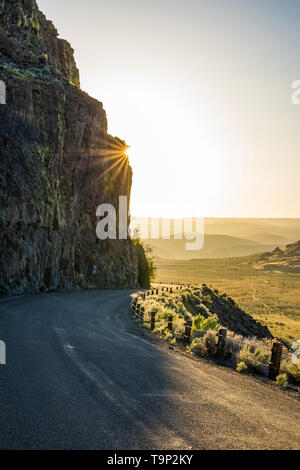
column 255, row 358
column 210, row 341
column 210, row 323
column 241, row 366
column 146, row 267
column 203, row 310
column 292, row 371
column 206, row 345
column 197, row 346
column 282, row 380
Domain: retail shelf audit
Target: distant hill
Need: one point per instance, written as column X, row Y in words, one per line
column 286, row 260
column 269, row 239
column 215, row 246
column 265, row 231
column 224, row 238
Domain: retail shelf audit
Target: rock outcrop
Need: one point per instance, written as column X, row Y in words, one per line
column 286, row 260
column 58, row 164
column 231, row 316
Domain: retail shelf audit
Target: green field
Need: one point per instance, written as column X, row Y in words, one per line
column 273, row 298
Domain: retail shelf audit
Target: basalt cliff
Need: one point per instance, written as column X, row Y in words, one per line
column 58, row 164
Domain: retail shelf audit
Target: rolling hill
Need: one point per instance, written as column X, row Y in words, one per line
column 286, row 260
column 223, row 238
column 215, row 246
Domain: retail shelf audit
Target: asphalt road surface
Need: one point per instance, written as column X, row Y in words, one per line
column 80, row 375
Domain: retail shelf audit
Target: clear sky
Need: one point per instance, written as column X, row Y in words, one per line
column 201, row 91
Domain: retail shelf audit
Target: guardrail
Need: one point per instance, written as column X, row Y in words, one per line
column 276, row 351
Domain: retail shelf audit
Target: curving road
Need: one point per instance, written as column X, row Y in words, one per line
column 80, row 375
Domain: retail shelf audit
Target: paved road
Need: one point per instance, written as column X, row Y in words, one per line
column 80, row 376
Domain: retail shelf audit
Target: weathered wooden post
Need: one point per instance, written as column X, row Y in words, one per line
column 142, row 313
column 171, row 290
column 167, row 289
column 274, row 366
column 137, row 309
column 157, row 291
column 153, row 320
column 170, row 322
column 221, row 342
column 144, row 296
column 188, row 330
column 162, row 289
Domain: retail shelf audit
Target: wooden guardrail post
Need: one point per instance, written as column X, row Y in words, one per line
column 153, row 320
column 170, row 322
column 274, row 366
column 162, row 289
column 167, row 289
column 144, row 296
column 221, row 342
column 133, row 304
column 137, row 309
column 157, row 291
column 171, row 290
column 188, row 330
column 142, row 313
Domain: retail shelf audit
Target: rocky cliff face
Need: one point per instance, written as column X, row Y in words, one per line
column 58, row 164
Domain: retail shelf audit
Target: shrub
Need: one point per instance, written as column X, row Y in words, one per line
column 197, row 346
column 241, row 366
column 146, row 267
column 233, row 344
column 292, row 371
column 210, row 323
column 206, row 345
column 168, row 334
column 210, row 341
column 282, row 380
column 255, row 358
column 203, row 310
